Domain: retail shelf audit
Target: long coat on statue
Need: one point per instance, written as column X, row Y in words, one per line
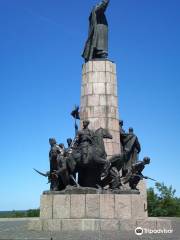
column 98, row 32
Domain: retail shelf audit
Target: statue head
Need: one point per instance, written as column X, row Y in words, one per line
column 146, row 160
column 96, row 6
column 86, row 123
column 52, row 141
column 131, row 130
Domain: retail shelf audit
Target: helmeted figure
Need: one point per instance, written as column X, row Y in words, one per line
column 97, row 43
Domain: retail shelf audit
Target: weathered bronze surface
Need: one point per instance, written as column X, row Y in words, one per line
column 96, row 46
column 86, row 156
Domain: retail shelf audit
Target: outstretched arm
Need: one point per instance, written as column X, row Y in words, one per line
column 102, row 5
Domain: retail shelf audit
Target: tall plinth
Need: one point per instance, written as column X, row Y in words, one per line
column 99, row 100
column 99, row 105
column 87, row 209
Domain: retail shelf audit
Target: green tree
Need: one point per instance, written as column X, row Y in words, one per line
column 33, row 213
column 17, row 214
column 20, row 214
column 162, row 201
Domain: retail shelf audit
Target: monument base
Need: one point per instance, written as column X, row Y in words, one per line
column 86, row 209
column 95, row 225
column 90, row 212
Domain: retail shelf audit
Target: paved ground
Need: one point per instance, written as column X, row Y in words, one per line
column 16, row 229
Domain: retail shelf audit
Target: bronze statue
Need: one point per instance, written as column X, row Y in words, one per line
column 122, row 134
column 55, row 150
column 93, row 161
column 96, row 46
column 135, row 174
column 130, row 147
column 113, row 179
column 86, row 155
column 84, row 139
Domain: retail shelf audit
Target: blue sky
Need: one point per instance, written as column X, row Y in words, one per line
column 40, row 74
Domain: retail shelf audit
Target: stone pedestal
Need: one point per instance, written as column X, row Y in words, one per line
column 99, row 104
column 99, row 100
column 89, row 212
column 92, row 206
column 94, row 212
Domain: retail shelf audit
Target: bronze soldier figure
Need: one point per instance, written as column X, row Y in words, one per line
column 55, row 150
column 135, row 175
column 130, row 148
column 97, row 43
column 84, row 139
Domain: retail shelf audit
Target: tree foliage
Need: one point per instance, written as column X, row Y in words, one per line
column 162, row 201
column 20, row 214
column 33, row 213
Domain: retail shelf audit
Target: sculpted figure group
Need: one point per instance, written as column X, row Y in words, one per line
column 85, row 155
column 84, row 162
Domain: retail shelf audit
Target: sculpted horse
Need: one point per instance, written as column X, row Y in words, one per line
column 89, row 173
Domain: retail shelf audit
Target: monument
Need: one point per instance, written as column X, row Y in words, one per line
column 96, row 183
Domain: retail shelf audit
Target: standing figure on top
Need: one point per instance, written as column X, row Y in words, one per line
column 96, row 46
